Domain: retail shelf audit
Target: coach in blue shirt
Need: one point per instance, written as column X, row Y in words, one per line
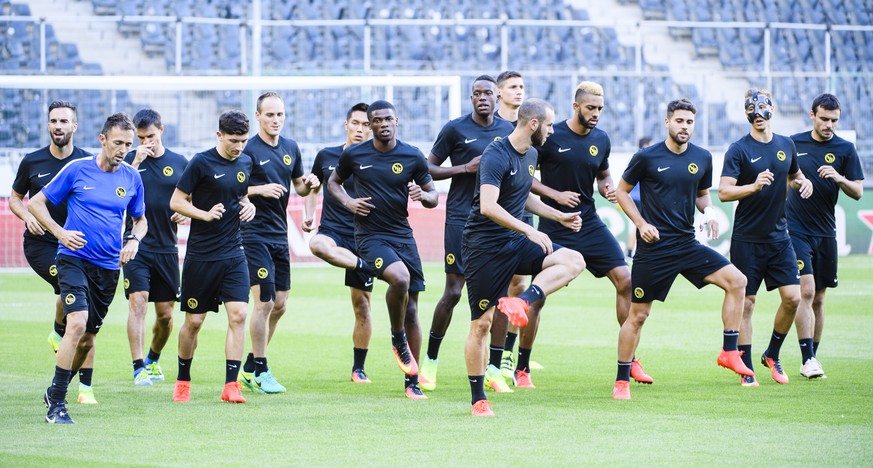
column 98, row 190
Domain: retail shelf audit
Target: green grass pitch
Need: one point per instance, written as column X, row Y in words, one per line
column 695, row 414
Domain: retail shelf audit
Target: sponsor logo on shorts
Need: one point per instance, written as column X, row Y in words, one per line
column 483, row 304
column 780, row 155
column 126, row 283
column 262, row 273
column 593, row 151
column 286, row 159
column 120, row 192
column 53, row 270
column 639, row 293
column 692, row 168
column 830, row 158
column 168, row 171
column 70, row 299
column 450, row 259
column 397, row 168
column 240, row 176
column 378, row 263
column 800, row 265
column 192, row 303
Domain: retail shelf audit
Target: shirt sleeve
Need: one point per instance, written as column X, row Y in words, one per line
column 297, row 169
column 421, row 176
column 136, row 206
column 492, row 166
column 21, row 184
column 635, row 170
column 60, row 187
column 317, row 170
column 794, row 167
column 444, row 144
column 706, row 180
column 188, row 182
column 733, row 159
column 604, row 164
column 344, row 166
column 852, row 167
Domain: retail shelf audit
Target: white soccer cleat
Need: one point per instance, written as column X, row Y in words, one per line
column 811, row 369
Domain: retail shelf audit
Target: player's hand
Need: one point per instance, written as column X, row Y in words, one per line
column 805, row 188
column 568, row 199
column 33, row 226
column 709, row 223
column 247, row 211
column 609, row 194
column 273, row 190
column 571, row 220
column 179, row 219
column 829, row 173
column 414, row 191
column 649, row 233
column 540, row 239
column 472, row 167
column 128, row 252
column 360, row 206
column 308, row 224
column 764, row 178
column 311, row 181
column 143, row 151
column 73, row 240
column 215, row 213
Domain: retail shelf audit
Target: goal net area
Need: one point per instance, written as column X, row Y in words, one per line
column 315, row 107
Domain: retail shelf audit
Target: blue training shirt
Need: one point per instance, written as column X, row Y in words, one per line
column 96, row 202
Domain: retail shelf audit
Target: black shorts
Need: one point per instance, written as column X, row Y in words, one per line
column 490, row 269
column 380, row 253
column 354, row 279
column 594, row 241
column 42, row 256
column 817, row 256
column 86, row 286
column 653, row 275
column 774, row 263
column 452, row 240
column 206, row 284
column 269, row 267
column 154, row 273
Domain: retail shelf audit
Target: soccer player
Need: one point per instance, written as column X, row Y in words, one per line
column 498, row 244
column 674, row 178
column 644, row 142
column 462, row 141
column 40, row 247
column 97, row 190
column 758, row 170
column 278, row 167
column 387, row 171
column 572, row 161
column 153, row 276
column 510, row 93
column 335, row 240
column 833, row 166
column 212, row 192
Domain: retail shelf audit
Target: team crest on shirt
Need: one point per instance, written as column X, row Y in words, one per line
column 592, row 150
column 168, row 171
column 120, row 192
column 639, row 293
column 692, row 168
column 126, row 283
column 378, row 263
column 830, row 158
column 262, row 273
column 483, row 304
column 70, row 299
column 192, row 303
column 780, row 155
column 530, row 169
column 450, row 259
column 498, row 138
column 241, row 176
column 53, row 270
column 397, row 168
column 286, row 159
column 800, row 265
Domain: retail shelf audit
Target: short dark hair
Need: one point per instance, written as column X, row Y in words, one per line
column 826, row 101
column 359, row 107
column 644, row 141
column 485, row 78
column 266, row 95
column 233, row 122
column 532, row 109
column 379, row 105
column 64, row 104
column 145, row 118
column 118, row 120
column 680, row 104
column 501, row 78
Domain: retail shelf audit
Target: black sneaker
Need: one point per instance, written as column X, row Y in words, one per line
column 57, row 414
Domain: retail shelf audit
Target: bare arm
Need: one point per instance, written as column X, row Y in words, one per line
column 605, row 186
column 181, row 203
column 728, row 190
column 358, row 206
column 568, row 199
column 647, row 232
column 73, row 240
column 704, row 205
column 16, row 204
column 310, row 204
column 426, row 194
column 131, row 246
column 303, row 185
column 799, row 182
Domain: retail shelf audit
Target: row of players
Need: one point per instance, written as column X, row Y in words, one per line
column 493, row 161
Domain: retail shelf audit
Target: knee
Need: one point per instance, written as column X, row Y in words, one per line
column 574, row 262
column 318, row 247
column 264, row 308
column 86, row 343
column 399, row 280
column 748, row 306
column 237, row 317
column 193, row 322
column 452, row 293
column 361, row 306
column 737, row 282
column 790, row 302
column 623, row 285
column 482, row 327
column 638, row 316
column 279, row 307
column 76, row 324
column 138, row 305
column 807, row 295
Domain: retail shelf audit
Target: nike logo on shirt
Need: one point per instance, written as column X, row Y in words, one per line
column 564, row 150
column 802, row 154
column 218, row 176
column 469, row 141
column 331, row 167
column 43, row 175
column 88, row 188
column 754, row 160
column 264, row 162
column 662, row 169
column 512, row 172
column 365, row 167
column 142, row 170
